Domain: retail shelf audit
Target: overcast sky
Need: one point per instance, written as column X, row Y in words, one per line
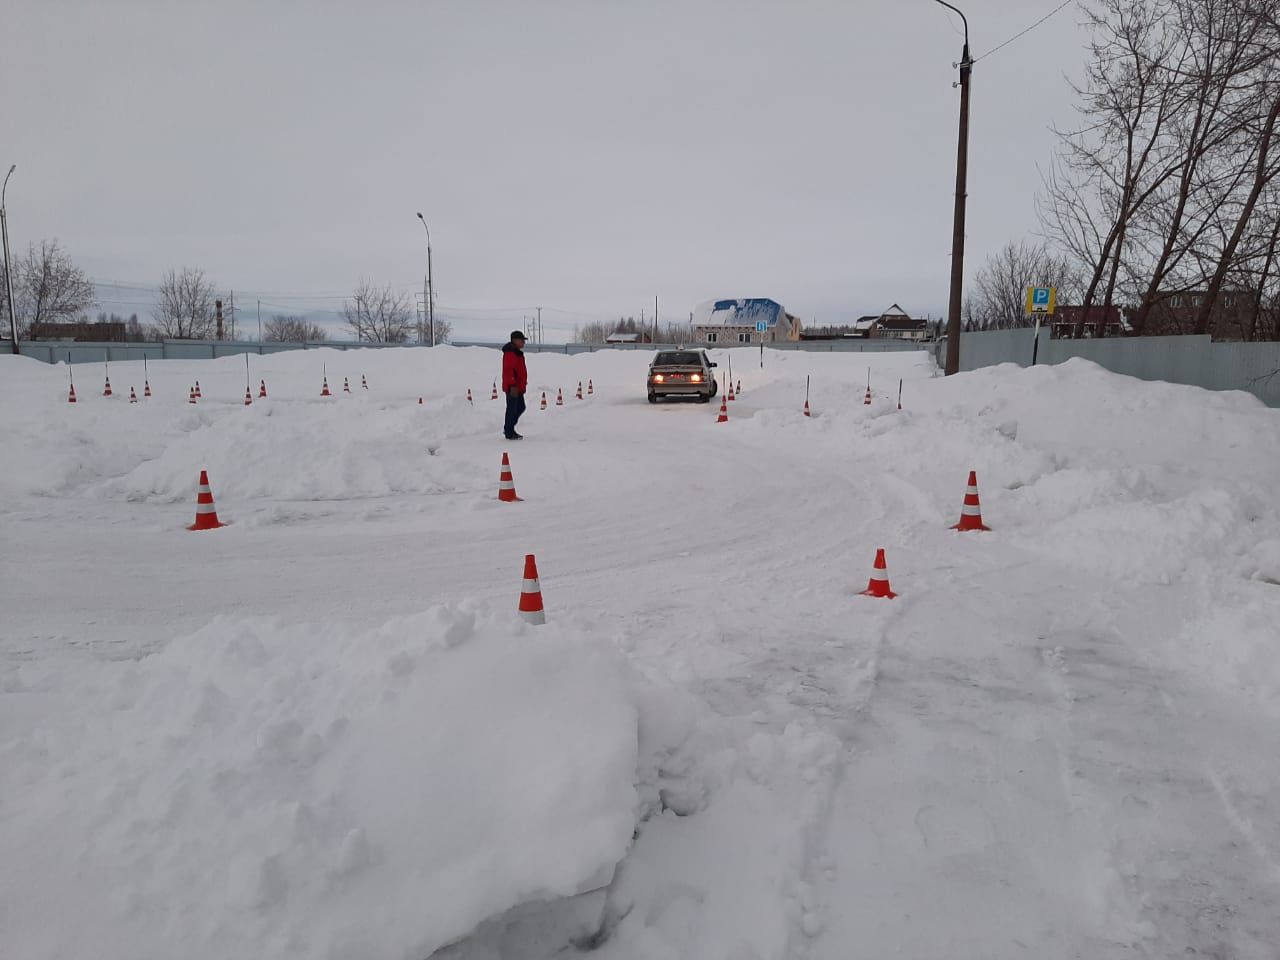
column 582, row 156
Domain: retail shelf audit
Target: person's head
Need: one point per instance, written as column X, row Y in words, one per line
column 517, row 338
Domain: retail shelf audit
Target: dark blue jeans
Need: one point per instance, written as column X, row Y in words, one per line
column 515, row 407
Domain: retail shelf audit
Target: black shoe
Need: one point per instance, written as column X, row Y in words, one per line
column 513, row 436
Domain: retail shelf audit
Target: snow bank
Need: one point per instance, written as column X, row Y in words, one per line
column 296, row 791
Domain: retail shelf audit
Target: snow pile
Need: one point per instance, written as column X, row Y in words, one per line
column 299, row 791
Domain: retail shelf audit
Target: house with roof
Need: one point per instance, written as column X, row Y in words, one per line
column 894, row 324
column 754, row 320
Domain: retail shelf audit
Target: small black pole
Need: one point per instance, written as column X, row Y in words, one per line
column 806, row 389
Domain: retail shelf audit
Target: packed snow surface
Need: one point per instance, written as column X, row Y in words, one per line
column 322, row 730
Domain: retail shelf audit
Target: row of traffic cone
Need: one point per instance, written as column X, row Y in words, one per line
column 559, row 394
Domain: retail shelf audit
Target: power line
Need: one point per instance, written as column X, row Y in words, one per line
column 1016, row 36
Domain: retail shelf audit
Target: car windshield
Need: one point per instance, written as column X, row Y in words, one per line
column 688, row 359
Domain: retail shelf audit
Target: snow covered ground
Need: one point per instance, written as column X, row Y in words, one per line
column 322, row 731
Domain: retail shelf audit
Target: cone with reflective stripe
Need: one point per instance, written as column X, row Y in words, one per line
column 971, row 512
column 262, row 389
column 866, row 401
column 363, row 382
column 133, row 397
column 579, row 389
column 107, row 391
column 590, row 387
column 559, row 398
column 531, row 593
column 199, row 395
column 346, row 386
column 878, row 585
column 724, row 412
column 71, row 397
column 248, row 396
column 469, row 400
column 732, row 395
column 191, row 397
column 324, row 390
column 544, row 401
column 506, row 486
column 495, row 391
column 146, row 388
column 206, row 515
column 806, row 409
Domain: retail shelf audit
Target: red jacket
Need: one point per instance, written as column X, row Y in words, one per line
column 514, row 373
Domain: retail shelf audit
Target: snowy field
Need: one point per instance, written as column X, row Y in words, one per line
column 322, row 731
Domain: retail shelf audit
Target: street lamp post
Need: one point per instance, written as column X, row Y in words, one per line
column 957, row 229
column 430, row 289
column 8, row 273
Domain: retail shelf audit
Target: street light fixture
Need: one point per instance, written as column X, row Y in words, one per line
column 428, row 291
column 957, row 230
column 8, row 273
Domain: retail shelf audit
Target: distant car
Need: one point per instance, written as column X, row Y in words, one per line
column 682, row 373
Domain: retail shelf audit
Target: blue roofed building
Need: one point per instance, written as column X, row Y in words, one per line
column 728, row 323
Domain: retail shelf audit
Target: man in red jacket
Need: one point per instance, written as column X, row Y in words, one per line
column 515, row 380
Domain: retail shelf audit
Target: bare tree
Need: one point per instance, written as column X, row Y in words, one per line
column 47, row 287
column 286, row 329
column 378, row 314
column 998, row 300
column 185, row 308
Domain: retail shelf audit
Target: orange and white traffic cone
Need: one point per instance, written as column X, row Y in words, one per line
column 506, row 486
column 724, row 411
column 544, row 401
column 469, row 400
column 866, row 401
column 731, row 395
column 133, row 397
column 591, row 389
column 559, row 398
column 346, row 386
column 971, row 512
column 878, row 585
column 206, row 515
column 806, row 408
column 71, row 397
column 495, row 391
column 324, row 390
column 248, row 396
column 199, row 395
column 739, row 388
column 262, row 389
column 531, row 610
column 191, row 397
column 364, row 384
column 419, row 401
column 146, row 388
column 107, row 390
column 579, row 389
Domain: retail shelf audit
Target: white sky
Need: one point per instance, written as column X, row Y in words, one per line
column 581, row 155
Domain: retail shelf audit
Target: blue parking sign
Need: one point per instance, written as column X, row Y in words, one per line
column 761, row 326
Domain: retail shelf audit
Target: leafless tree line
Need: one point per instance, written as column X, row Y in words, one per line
column 599, row 331
column 47, row 288
column 1169, row 184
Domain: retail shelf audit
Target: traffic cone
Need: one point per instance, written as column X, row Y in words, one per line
column 364, row 384
column 469, row 400
column 971, row 512
column 191, row 397
column 146, row 388
column 724, row 411
column 133, row 397
column 107, row 391
column 731, row 395
column 346, row 387
column 559, row 398
column 419, row 401
column 262, row 389
column 531, row 593
column 739, row 388
column 71, row 397
column 579, row 389
column 248, row 397
column 806, row 408
column 866, row 401
column 590, row 387
column 206, row 515
column 199, row 395
column 495, row 391
column 878, row 585
column 544, row 401
column 324, row 390
column 506, row 486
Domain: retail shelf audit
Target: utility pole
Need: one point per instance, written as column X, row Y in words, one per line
column 957, row 230
column 428, row 288
column 259, row 322
column 655, row 318
column 8, row 272
column 539, row 309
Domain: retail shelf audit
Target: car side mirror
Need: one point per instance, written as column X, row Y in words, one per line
column 711, row 363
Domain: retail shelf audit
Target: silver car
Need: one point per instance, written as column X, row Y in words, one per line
column 682, row 373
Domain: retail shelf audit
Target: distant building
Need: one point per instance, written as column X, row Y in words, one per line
column 1062, row 325
column 1233, row 317
column 894, row 324
column 625, row 338
column 85, row 331
column 733, row 322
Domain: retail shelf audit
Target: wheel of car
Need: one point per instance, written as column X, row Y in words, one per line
column 715, row 388
column 704, row 398
column 653, row 398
